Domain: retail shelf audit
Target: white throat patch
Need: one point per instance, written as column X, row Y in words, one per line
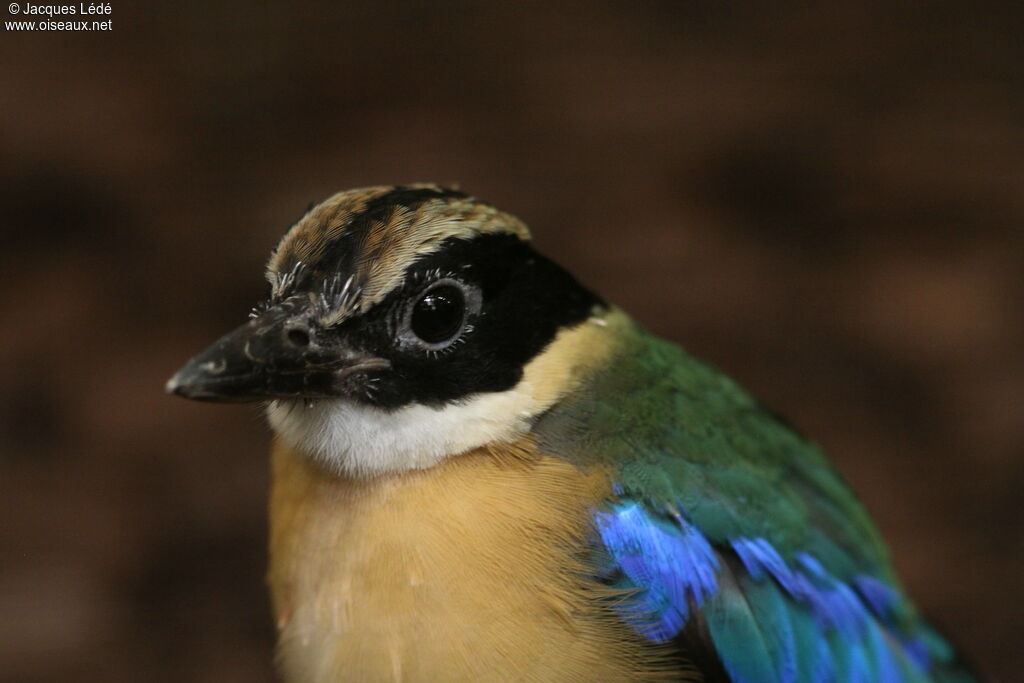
column 359, row 440
column 362, row 441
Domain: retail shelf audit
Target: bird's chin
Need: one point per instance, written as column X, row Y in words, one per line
column 306, row 425
column 357, row 440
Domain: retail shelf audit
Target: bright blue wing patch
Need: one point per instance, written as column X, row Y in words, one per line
column 769, row 619
column 667, row 559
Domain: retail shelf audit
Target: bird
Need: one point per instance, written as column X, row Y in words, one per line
column 484, row 471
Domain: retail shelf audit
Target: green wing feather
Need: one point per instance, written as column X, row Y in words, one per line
column 680, row 433
column 802, row 588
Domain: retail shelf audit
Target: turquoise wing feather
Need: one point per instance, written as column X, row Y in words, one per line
column 725, row 516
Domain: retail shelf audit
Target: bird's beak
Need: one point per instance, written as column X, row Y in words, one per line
column 275, row 355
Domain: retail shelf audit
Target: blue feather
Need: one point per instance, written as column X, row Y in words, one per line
column 746, row 648
column 814, row 658
column 769, row 619
column 881, row 597
column 668, row 560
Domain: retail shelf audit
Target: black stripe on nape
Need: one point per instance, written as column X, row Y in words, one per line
column 340, row 256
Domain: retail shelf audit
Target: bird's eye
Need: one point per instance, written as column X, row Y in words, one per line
column 439, row 314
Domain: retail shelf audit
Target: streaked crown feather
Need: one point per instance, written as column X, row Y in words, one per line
column 355, row 247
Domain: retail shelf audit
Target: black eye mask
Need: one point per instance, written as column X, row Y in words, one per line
column 494, row 304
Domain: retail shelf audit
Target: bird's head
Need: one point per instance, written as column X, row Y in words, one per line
column 403, row 325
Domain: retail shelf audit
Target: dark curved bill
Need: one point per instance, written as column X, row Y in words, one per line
column 271, row 356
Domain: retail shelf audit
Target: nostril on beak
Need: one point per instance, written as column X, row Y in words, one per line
column 298, row 336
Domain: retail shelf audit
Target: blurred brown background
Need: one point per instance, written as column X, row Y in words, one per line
column 824, row 198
